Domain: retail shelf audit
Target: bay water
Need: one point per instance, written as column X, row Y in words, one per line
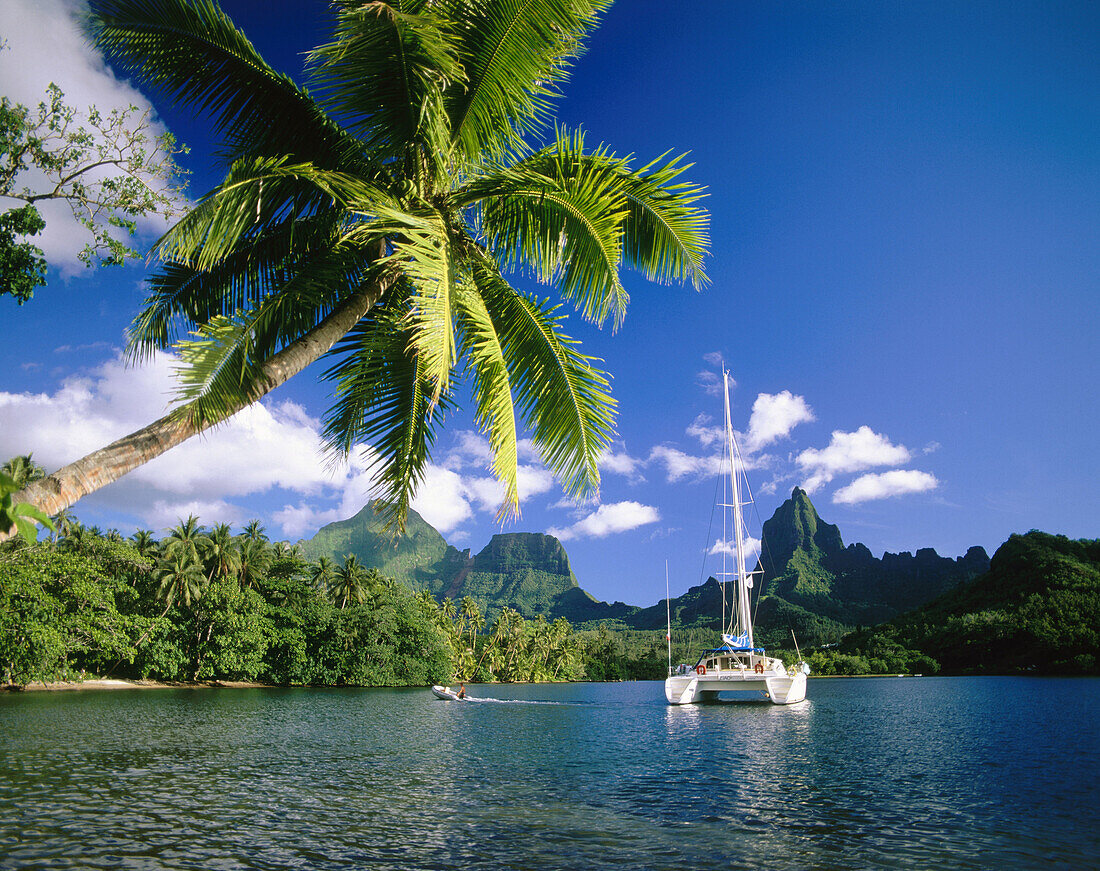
column 923, row 773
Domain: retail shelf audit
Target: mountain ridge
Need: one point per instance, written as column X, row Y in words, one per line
column 810, row 583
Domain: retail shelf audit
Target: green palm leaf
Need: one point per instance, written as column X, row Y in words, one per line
column 565, row 401
column 194, row 54
column 385, row 71
column 516, row 53
column 560, row 212
column 665, row 233
column 495, row 412
column 383, row 399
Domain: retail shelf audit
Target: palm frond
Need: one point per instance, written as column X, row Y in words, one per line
column 516, row 55
column 385, row 71
column 191, row 51
column 182, row 297
column 665, row 234
column 560, row 212
column 565, row 400
column 383, row 400
column 256, row 193
column 424, row 253
column 492, row 389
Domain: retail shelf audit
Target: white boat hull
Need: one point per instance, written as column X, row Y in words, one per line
column 780, row 688
column 446, row 693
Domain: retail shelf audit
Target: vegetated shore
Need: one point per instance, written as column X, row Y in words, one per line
column 108, row 683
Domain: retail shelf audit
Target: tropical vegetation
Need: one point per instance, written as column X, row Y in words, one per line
column 375, row 219
column 205, row 604
column 1036, row 611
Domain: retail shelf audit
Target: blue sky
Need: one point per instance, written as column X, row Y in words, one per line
column 904, row 285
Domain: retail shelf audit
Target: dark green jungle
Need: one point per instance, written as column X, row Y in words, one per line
column 353, row 606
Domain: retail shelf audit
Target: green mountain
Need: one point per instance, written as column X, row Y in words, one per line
column 527, row 571
column 1037, row 610
column 811, row 582
column 815, row 585
column 420, row 556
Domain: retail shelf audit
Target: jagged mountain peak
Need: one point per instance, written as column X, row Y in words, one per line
column 796, row 526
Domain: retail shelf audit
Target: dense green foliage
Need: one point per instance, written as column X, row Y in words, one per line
column 1037, row 610
column 204, row 604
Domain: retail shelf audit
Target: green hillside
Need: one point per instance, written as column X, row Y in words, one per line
column 527, row 571
column 811, row 582
column 420, row 556
column 1036, row 610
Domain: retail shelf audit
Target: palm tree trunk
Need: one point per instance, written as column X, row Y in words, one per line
column 100, row 468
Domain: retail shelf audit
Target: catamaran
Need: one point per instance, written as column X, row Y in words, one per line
column 737, row 664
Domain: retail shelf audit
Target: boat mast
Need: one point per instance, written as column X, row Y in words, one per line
column 743, row 614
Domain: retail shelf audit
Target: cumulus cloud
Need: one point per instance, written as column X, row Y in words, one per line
column 885, row 485
column 848, row 452
column 270, row 447
column 752, row 549
column 608, row 520
column 773, row 417
column 704, row 430
column 620, row 463
column 51, row 48
column 679, row 465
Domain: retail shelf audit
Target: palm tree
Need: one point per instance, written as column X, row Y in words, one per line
column 181, row 579
column 144, row 542
column 222, row 553
column 254, row 531
column 376, row 224
column 350, row 583
column 254, row 559
column 323, row 573
column 188, row 538
column 23, row 470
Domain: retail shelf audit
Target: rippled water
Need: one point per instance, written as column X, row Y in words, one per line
column 868, row 773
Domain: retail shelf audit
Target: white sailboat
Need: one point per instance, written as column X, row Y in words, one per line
column 737, row 664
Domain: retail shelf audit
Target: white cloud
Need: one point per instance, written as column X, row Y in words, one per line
column 885, row 485
column 849, row 452
column 713, row 358
column 621, row 463
column 270, row 446
column 45, row 44
column 608, row 520
column 679, row 465
column 706, row 431
column 710, row 382
column 752, row 549
column 442, row 500
column 773, row 418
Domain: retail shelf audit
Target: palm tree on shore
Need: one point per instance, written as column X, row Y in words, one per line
column 144, row 542
column 323, row 573
column 350, row 583
column 180, row 579
column 376, row 224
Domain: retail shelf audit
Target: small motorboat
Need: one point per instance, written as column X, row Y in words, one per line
column 447, row 694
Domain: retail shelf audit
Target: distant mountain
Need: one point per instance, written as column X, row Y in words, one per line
column 420, row 556
column 814, row 584
column 1037, row 609
column 811, row 582
column 527, row 571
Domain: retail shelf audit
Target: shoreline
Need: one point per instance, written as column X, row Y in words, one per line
column 106, row 683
